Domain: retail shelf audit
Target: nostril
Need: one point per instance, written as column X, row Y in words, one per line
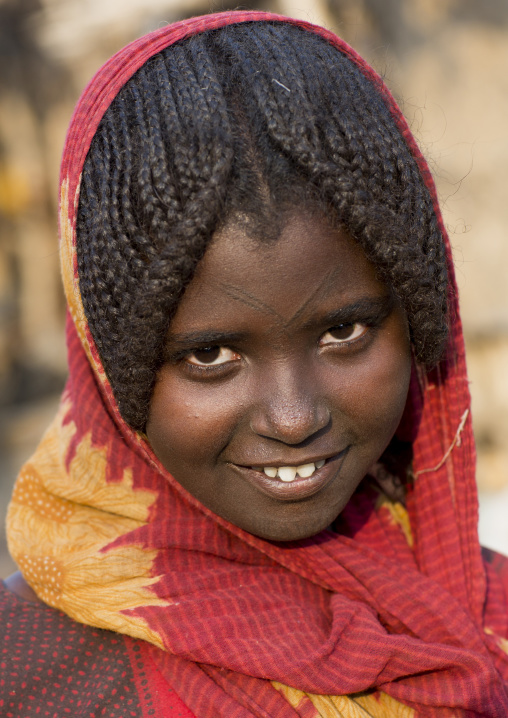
column 291, row 423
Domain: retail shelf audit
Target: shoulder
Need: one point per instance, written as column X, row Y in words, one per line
column 49, row 661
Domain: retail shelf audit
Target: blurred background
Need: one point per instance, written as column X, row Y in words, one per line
column 446, row 62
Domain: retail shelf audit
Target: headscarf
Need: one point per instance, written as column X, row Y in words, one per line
column 394, row 614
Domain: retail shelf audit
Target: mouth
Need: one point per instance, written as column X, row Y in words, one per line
column 289, row 473
column 291, row 483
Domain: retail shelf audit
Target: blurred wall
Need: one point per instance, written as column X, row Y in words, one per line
column 445, row 61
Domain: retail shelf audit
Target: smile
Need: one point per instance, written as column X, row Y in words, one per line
column 293, row 482
column 289, row 473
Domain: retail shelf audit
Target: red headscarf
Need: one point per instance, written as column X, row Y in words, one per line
column 399, row 602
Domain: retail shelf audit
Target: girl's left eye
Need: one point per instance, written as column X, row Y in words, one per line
column 211, row 356
column 343, row 334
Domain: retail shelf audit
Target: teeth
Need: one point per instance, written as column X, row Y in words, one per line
column 305, row 470
column 289, row 473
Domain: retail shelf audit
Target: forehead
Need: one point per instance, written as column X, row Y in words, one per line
column 310, row 265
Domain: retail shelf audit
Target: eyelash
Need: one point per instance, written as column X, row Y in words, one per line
column 211, row 364
column 347, row 341
column 212, row 368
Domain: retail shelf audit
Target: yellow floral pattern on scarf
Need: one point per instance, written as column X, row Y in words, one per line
column 75, row 513
column 398, row 516
column 368, row 705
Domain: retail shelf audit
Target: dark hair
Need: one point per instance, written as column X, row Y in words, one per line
column 239, row 123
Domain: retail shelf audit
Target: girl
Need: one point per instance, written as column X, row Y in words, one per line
column 262, row 470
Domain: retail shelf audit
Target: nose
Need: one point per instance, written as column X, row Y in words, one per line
column 290, row 408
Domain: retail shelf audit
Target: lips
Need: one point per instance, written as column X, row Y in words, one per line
column 285, row 483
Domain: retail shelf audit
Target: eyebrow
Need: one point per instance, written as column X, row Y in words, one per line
column 206, row 338
column 366, row 309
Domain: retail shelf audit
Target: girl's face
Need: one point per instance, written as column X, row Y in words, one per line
column 282, row 355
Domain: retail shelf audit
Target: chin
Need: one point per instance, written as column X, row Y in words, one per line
column 292, row 530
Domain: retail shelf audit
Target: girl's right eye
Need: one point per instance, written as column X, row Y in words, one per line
column 211, row 356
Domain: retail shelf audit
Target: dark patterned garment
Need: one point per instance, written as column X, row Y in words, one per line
column 51, row 666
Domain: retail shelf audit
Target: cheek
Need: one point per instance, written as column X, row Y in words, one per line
column 188, row 425
column 376, row 391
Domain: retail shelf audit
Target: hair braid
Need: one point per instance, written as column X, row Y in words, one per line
column 139, row 240
column 239, row 123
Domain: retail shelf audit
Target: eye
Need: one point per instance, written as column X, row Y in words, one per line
column 211, row 356
column 343, row 334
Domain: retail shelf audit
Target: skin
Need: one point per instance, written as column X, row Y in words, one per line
column 279, row 354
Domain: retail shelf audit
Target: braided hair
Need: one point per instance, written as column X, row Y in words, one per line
column 238, row 123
